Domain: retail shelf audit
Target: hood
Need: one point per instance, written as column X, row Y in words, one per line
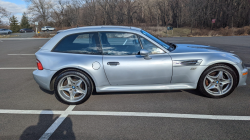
column 192, row 48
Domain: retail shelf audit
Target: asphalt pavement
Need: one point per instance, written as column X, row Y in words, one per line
column 29, row 112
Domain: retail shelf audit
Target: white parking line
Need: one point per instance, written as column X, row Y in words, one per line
column 57, row 123
column 18, row 68
column 7, row 111
column 21, row 54
column 129, row 114
column 164, row 115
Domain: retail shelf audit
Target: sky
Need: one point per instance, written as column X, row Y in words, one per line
column 16, row 7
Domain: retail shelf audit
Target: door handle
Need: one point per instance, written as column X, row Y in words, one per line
column 113, row 63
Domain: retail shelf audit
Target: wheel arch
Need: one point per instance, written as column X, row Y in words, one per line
column 227, row 64
column 52, row 81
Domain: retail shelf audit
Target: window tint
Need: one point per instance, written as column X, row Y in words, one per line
column 150, row 46
column 156, row 39
column 117, row 43
column 86, row 43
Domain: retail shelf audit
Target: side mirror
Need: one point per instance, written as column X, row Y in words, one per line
column 145, row 53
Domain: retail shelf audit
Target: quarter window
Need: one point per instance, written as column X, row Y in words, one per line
column 150, row 46
column 118, row 43
column 85, row 43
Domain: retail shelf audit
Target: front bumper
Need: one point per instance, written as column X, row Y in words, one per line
column 43, row 78
column 243, row 78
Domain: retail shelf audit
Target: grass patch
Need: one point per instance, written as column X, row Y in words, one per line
column 45, row 34
column 186, row 31
column 8, row 36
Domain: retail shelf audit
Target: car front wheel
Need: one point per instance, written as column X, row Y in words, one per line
column 217, row 81
column 73, row 87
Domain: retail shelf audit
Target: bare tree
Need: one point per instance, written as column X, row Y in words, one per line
column 40, row 10
column 3, row 13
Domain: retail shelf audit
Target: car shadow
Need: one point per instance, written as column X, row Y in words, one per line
column 194, row 92
column 47, row 91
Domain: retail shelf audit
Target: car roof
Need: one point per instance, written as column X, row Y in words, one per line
column 111, row 27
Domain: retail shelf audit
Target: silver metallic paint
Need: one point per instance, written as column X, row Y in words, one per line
column 134, row 72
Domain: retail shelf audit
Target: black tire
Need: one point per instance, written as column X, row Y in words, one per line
column 86, row 80
column 201, row 87
column 47, row 30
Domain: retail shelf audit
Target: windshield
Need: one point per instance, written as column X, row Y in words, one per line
column 163, row 44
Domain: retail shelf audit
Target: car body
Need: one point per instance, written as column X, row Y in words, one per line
column 59, row 31
column 47, row 28
column 25, row 30
column 5, row 31
column 120, row 58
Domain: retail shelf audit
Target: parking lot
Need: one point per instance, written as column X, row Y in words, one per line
column 29, row 112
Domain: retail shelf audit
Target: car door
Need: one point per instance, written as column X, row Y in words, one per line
column 124, row 66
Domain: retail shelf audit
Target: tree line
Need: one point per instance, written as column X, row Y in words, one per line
column 176, row 13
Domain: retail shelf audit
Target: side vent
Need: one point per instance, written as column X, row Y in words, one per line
column 186, row 62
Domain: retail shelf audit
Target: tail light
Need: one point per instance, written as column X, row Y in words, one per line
column 39, row 65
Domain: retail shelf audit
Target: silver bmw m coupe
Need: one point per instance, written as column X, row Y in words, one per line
column 77, row 62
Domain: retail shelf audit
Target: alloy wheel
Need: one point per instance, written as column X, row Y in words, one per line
column 72, row 88
column 218, row 82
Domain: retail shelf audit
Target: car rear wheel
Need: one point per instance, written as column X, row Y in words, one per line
column 73, row 87
column 217, row 81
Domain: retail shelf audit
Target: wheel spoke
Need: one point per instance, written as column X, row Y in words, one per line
column 224, row 82
column 211, row 78
column 66, row 88
column 78, row 83
column 80, row 90
column 211, row 86
column 219, row 87
column 70, row 81
column 72, row 95
column 220, row 75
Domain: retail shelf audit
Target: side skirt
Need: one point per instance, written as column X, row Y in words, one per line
column 179, row 86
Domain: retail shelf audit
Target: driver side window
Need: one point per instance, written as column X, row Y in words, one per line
column 119, row 43
column 150, row 46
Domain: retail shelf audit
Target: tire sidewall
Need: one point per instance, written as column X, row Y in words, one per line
column 207, row 71
column 86, row 80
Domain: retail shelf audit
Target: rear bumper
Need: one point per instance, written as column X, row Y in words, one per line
column 43, row 78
